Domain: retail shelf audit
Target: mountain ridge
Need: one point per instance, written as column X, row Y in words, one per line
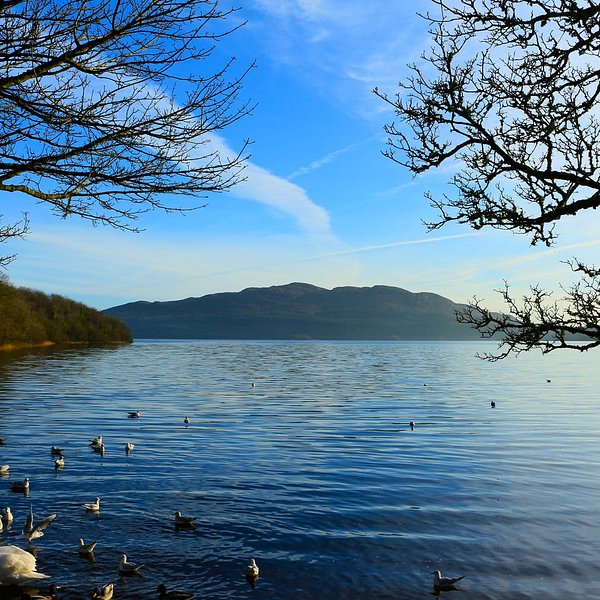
column 299, row 311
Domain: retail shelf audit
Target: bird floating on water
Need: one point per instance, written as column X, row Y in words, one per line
column 173, row 594
column 56, row 451
column 4, row 468
column 51, row 595
column 7, row 516
column 252, row 569
column 84, row 548
column 17, row 566
column 128, row 568
column 96, row 441
column 92, row 506
column 20, row 486
column 2, row 441
column 33, row 532
column 493, row 404
column 412, row 425
column 129, row 447
column 59, row 463
column 103, row 593
column 187, row 420
column 134, row 414
column 183, row 521
column 440, row 582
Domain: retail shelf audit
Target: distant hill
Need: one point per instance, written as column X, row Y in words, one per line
column 31, row 318
column 299, row 311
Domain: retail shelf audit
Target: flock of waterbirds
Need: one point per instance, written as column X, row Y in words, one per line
column 19, row 566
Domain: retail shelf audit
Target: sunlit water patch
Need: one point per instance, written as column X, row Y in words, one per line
column 313, row 470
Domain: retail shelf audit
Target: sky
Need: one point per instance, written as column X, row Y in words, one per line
column 320, row 203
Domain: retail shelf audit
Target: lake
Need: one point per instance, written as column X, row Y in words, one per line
column 313, row 471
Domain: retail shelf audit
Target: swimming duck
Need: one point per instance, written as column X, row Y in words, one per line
column 7, row 516
column 92, row 506
column 134, row 414
column 252, row 569
column 182, row 521
column 103, row 593
column 17, row 566
column 440, row 582
column 187, row 420
column 128, row 568
column 20, row 486
column 84, row 548
column 129, row 447
column 173, row 595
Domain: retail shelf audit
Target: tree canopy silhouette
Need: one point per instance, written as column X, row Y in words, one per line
column 508, row 93
column 107, row 106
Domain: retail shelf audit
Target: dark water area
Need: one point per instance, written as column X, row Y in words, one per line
column 314, row 471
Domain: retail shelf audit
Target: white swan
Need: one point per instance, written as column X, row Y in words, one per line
column 92, row 506
column 17, row 566
column 128, row 568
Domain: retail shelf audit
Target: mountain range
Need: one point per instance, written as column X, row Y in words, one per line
column 299, row 311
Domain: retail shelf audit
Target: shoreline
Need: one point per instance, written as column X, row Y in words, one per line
column 46, row 344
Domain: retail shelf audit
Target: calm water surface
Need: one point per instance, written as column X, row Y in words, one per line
column 314, row 471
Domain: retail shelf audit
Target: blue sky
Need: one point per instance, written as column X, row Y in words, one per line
column 320, row 204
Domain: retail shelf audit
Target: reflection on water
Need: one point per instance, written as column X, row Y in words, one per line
column 314, row 470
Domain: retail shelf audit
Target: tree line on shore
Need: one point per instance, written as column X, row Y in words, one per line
column 30, row 317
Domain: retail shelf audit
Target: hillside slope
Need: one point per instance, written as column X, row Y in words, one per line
column 299, row 311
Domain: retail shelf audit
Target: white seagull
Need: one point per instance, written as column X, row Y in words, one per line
column 128, row 568
column 440, row 582
column 182, row 521
column 96, row 441
column 92, row 506
column 4, row 468
column 17, row 566
column 84, row 548
column 7, row 516
column 103, row 593
column 33, row 532
column 252, row 569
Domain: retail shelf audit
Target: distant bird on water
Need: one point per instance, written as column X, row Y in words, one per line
column 172, row 595
column 493, row 404
column 20, row 486
column 7, row 516
column 84, row 548
column 56, row 451
column 4, row 468
column 103, row 593
column 17, row 566
column 187, row 420
column 440, row 583
column 2, row 441
column 134, row 414
column 96, row 441
column 92, row 506
column 129, row 447
column 412, row 425
column 252, row 569
column 182, row 521
column 59, row 463
column 548, row 380
column 128, row 568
